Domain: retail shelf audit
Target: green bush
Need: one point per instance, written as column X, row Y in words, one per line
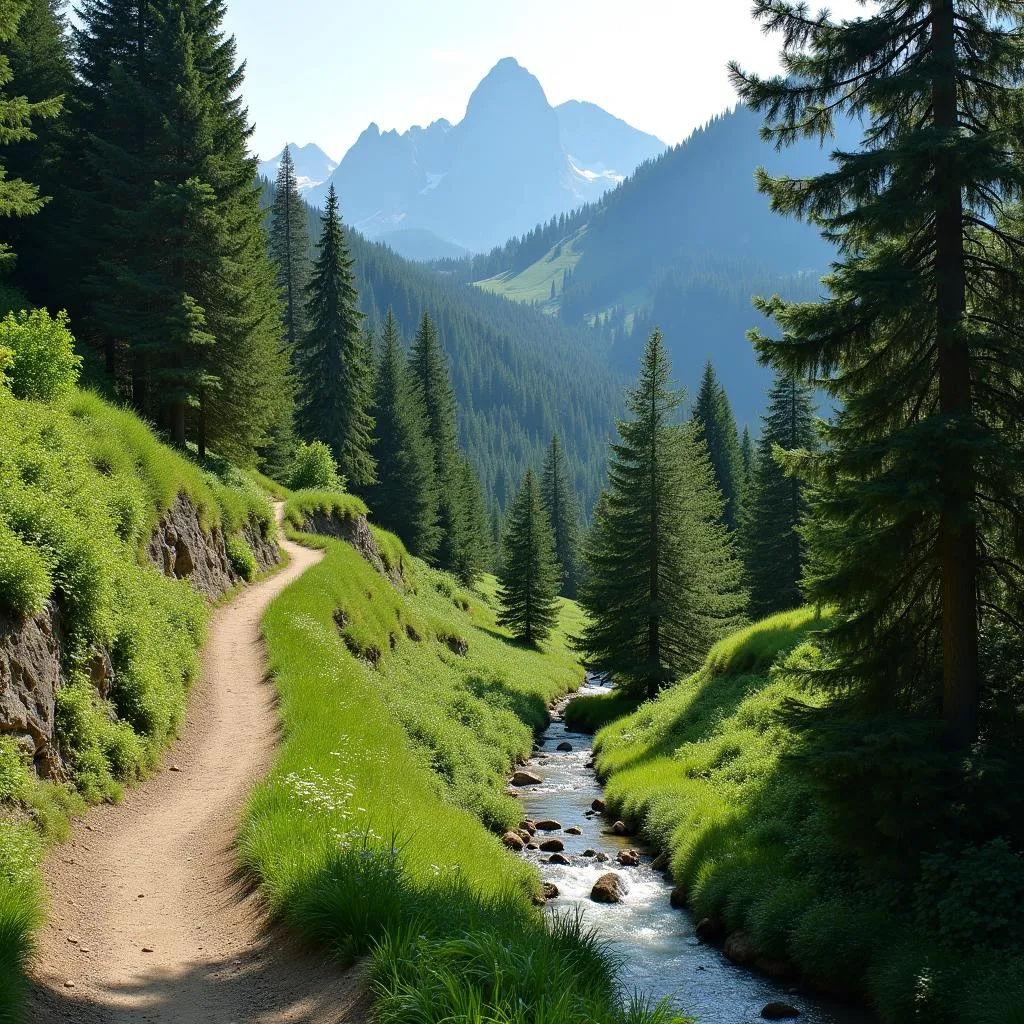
column 43, row 365
column 243, row 561
column 315, row 469
column 14, row 775
column 25, row 581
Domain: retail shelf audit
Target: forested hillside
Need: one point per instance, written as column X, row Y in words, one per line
column 519, row 376
column 683, row 244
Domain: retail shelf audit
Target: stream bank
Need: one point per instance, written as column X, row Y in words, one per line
column 661, row 955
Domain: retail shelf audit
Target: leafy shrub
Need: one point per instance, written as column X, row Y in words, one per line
column 315, row 469
column 243, row 561
column 25, row 581
column 14, row 777
column 43, row 366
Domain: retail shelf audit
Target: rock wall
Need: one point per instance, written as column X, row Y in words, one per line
column 32, row 649
column 356, row 530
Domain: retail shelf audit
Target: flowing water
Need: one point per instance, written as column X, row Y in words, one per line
column 661, row 955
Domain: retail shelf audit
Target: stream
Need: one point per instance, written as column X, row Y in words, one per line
column 661, row 955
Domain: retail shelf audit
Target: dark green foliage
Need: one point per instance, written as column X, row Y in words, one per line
column 179, row 291
column 476, row 553
column 775, row 505
column 748, row 462
column 289, row 249
column 563, row 512
column 713, row 415
column 922, row 465
column 663, row 581
column 528, row 578
column 404, row 497
column 314, row 469
column 330, row 359
column 41, row 65
column 18, row 198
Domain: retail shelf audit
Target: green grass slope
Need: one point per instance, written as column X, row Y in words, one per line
column 376, row 830
column 533, row 285
column 715, row 773
column 82, row 485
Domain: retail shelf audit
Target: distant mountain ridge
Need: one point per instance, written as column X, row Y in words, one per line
column 512, row 161
column 312, row 166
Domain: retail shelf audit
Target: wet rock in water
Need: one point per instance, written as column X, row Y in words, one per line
column 552, row 846
column 523, row 778
column 531, row 846
column 602, row 856
column 609, row 888
column 527, row 825
column 597, row 805
column 565, row 745
column 589, row 853
column 558, row 858
column 550, row 890
column 523, row 834
column 574, row 830
column 779, row 1011
column 740, row 948
column 537, row 901
column 547, row 825
column 620, row 828
column 590, row 764
column 629, row 858
column 512, row 841
column 708, row 930
column 678, row 898
column 660, row 862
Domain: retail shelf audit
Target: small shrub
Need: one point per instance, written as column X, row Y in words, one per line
column 240, row 555
column 25, row 581
column 43, row 366
column 315, row 469
column 14, row 775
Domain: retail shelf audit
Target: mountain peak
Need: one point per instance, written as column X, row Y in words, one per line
column 507, row 85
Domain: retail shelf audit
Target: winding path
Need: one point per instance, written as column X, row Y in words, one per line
column 148, row 919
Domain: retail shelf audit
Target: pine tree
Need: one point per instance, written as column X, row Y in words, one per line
column 475, row 552
column 562, row 510
column 776, row 508
column 289, row 248
column 663, row 581
column 748, row 461
column 528, row 578
column 18, row 198
column 404, row 498
column 713, row 413
column 40, row 63
column 921, row 453
column 428, row 369
column 331, row 360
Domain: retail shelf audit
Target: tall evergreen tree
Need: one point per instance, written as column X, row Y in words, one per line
column 663, row 581
column 18, row 198
column 713, row 413
column 777, row 506
column 748, row 460
column 428, row 368
column 562, row 510
column 40, row 63
column 920, row 463
column 528, row 577
column 289, row 248
column 330, row 360
column 404, row 498
column 475, row 551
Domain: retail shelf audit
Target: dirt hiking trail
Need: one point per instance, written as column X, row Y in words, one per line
column 148, row 920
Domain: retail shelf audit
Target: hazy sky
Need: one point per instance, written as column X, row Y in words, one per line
column 323, row 70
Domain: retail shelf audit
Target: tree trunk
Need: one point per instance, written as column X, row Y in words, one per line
column 957, row 529
column 178, row 423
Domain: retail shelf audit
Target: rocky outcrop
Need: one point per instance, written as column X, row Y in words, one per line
column 355, row 529
column 33, row 649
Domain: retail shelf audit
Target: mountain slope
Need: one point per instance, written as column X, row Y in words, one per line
column 511, row 161
column 684, row 243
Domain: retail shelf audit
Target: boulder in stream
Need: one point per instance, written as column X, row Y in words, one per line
column 552, row 846
column 574, row 830
column 609, row 888
column 708, row 930
column 589, row 852
column 629, row 858
column 565, row 745
column 524, row 778
column 558, row 858
column 740, row 948
column 779, row 1011
column 620, row 828
column 527, row 826
column 602, row 856
column 660, row 862
column 597, row 805
column 547, row 825
column 550, row 890
column 678, row 900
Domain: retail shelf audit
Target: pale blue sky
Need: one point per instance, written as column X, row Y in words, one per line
column 322, row 70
